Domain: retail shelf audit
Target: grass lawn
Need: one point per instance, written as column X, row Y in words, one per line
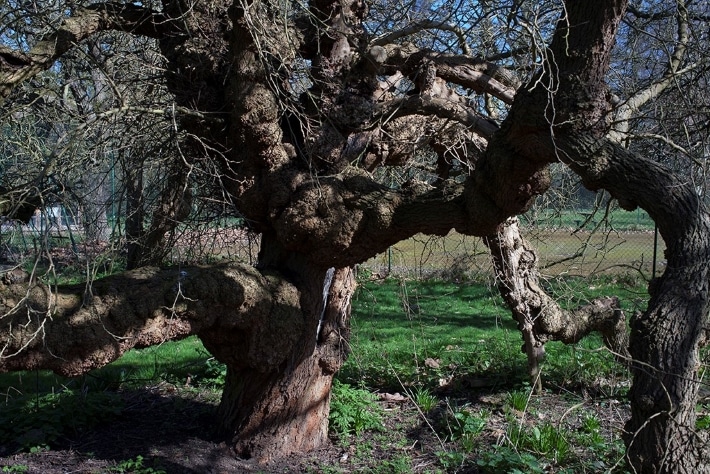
column 467, row 333
column 561, row 252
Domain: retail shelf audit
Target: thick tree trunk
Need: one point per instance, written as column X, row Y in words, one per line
column 571, row 125
column 666, row 338
column 282, row 342
column 270, row 411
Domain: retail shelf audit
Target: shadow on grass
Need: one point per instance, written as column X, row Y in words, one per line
column 160, row 428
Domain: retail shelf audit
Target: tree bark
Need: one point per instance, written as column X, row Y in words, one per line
column 540, row 318
column 286, row 411
column 570, row 125
column 275, row 410
column 282, row 342
column 230, row 63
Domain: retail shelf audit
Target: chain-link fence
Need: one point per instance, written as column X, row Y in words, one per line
column 574, row 243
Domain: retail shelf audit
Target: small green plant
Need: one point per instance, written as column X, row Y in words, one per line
column 41, row 448
column 135, row 466
column 590, row 434
column 466, row 422
column 463, row 426
column 214, row 374
column 518, row 400
column 424, row 399
column 398, row 465
column 353, row 410
column 590, row 424
column 16, row 469
column 451, row 460
column 508, row 460
column 547, row 440
column 703, row 422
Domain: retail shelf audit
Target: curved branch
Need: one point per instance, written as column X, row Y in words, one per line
column 624, row 112
column 17, row 66
column 473, row 73
column 443, row 108
column 539, row 317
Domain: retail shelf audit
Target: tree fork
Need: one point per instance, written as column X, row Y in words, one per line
column 665, row 339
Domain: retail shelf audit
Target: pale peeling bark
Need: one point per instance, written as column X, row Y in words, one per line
column 540, row 318
column 72, row 330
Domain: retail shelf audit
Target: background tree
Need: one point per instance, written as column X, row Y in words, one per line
column 290, row 110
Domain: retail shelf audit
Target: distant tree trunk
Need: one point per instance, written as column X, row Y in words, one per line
column 135, row 213
column 151, row 246
column 271, row 411
column 94, row 213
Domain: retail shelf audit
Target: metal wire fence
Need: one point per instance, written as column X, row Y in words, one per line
column 574, row 243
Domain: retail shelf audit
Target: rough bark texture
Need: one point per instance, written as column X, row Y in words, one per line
column 269, row 412
column 71, row 330
column 277, row 408
column 665, row 339
column 540, row 318
column 297, row 166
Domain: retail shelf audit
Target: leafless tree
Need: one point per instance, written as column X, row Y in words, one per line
column 290, row 109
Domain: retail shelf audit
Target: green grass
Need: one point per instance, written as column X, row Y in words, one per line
column 399, row 325
column 436, row 341
column 172, row 361
column 432, row 333
column 40, row 410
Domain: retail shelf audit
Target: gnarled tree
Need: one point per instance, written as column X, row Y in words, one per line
column 297, row 107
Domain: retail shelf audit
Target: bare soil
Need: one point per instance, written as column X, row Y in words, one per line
column 169, row 428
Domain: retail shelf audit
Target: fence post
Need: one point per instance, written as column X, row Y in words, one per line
column 655, row 249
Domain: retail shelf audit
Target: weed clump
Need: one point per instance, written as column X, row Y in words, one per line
column 353, row 410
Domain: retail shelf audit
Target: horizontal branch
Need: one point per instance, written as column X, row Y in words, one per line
column 423, row 105
column 73, row 329
column 472, row 73
column 420, row 26
column 339, row 221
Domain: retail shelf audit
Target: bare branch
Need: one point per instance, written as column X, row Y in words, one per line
column 421, row 26
column 473, row 73
column 17, row 66
column 443, row 108
column 624, row 112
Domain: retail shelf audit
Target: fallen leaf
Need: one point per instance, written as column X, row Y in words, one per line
column 392, row 397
